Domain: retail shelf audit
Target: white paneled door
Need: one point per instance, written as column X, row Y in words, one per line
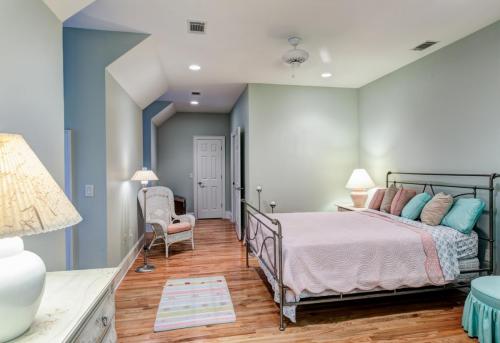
column 209, row 177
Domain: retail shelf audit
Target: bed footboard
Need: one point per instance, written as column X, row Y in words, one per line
column 272, row 260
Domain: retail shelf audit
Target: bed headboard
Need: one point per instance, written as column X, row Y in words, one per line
column 486, row 185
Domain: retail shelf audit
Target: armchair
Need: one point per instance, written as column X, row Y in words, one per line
column 167, row 226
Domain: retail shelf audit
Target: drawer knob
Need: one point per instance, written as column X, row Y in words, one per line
column 105, row 321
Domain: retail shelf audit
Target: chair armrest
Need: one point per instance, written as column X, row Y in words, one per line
column 159, row 226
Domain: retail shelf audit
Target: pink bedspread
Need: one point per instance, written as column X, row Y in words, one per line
column 353, row 251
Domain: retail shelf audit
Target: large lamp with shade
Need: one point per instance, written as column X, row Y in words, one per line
column 359, row 183
column 145, row 176
column 31, row 202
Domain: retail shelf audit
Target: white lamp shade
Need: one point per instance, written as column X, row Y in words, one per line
column 359, row 180
column 31, row 201
column 144, row 175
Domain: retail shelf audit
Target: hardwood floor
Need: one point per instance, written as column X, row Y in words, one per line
column 420, row 318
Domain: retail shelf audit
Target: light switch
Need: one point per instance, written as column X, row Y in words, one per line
column 89, row 191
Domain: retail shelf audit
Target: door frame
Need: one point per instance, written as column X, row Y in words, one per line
column 236, row 133
column 195, row 172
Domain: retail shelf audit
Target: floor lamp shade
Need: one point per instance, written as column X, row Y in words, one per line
column 144, row 175
column 31, row 202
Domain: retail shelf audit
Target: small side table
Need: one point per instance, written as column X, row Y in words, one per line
column 348, row 207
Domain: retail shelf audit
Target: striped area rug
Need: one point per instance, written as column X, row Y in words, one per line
column 194, row 302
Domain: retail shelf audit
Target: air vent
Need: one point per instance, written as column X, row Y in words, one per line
column 424, row 45
column 196, row 26
column 195, row 93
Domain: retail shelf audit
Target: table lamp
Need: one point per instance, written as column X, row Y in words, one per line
column 358, row 183
column 31, row 202
column 144, row 175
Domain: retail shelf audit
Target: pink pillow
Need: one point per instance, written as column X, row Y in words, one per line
column 377, row 199
column 401, row 199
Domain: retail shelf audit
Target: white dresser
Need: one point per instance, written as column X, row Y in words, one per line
column 78, row 306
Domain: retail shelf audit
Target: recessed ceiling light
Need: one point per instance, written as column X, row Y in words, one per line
column 194, row 67
column 194, row 102
column 326, row 75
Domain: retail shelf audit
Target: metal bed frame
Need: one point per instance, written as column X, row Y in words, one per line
column 275, row 265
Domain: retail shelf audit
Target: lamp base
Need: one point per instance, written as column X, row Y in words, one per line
column 21, row 289
column 147, row 268
column 359, row 198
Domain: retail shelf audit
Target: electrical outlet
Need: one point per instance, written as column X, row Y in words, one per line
column 89, row 191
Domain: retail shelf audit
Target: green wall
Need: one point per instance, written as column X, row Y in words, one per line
column 438, row 114
column 31, row 98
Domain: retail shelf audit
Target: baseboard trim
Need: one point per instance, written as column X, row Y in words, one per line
column 228, row 215
column 127, row 262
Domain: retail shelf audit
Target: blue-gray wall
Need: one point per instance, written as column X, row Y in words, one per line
column 86, row 55
column 175, row 150
column 439, row 114
column 150, row 131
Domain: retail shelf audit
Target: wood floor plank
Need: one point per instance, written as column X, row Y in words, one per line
column 416, row 318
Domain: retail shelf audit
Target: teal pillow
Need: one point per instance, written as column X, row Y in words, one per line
column 415, row 205
column 464, row 214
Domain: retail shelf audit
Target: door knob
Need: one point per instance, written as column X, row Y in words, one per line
column 200, row 184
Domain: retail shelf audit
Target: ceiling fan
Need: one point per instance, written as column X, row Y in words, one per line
column 295, row 57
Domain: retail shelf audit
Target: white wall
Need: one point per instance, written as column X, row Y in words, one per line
column 123, row 158
column 31, row 97
column 439, row 114
column 302, row 145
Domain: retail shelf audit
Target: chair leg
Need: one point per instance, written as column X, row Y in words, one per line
column 192, row 240
column 166, row 250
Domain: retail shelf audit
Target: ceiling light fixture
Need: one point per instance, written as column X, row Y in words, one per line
column 194, row 67
column 194, row 102
column 295, row 57
column 326, row 75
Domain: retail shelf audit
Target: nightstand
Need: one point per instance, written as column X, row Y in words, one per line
column 348, row 207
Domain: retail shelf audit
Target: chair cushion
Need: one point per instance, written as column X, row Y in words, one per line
column 487, row 290
column 178, row 227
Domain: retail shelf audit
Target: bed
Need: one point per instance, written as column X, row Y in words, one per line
column 319, row 257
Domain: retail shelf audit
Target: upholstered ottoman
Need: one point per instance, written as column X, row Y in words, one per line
column 481, row 317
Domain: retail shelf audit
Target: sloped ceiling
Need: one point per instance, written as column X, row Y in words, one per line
column 164, row 115
column 140, row 73
column 64, row 9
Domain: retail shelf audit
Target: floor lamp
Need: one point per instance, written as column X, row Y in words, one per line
column 144, row 176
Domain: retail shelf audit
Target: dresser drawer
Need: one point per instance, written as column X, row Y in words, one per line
column 100, row 321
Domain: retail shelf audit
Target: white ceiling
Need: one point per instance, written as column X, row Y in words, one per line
column 63, row 9
column 139, row 71
column 357, row 40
